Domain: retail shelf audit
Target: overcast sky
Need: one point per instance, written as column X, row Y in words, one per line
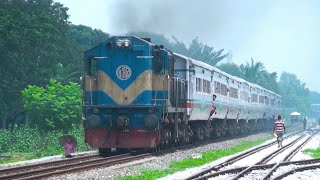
column 283, row 34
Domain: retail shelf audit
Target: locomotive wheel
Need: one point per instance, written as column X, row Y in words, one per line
column 104, row 152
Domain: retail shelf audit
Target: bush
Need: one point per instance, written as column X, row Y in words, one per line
column 25, row 139
column 55, row 107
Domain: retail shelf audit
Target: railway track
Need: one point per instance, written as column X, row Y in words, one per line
column 43, row 170
column 261, row 165
column 235, row 159
column 58, row 167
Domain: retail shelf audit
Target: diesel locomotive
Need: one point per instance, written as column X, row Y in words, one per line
column 137, row 94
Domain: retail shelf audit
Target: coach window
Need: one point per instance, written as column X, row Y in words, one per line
column 206, row 86
column 93, row 67
column 233, row 93
column 223, row 89
column 272, row 102
column 198, row 84
column 267, row 100
column 261, row 99
column 254, row 98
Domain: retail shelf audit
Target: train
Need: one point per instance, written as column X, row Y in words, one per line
column 140, row 95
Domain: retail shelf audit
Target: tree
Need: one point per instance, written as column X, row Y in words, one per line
column 32, row 36
column 231, row 68
column 252, row 71
column 54, row 107
column 80, row 39
column 315, row 97
column 295, row 96
column 205, row 53
column 86, row 37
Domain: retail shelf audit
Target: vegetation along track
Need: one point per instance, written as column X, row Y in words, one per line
column 42, row 170
column 217, row 169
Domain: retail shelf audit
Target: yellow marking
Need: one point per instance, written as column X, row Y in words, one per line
column 145, row 81
column 142, row 83
column 107, row 85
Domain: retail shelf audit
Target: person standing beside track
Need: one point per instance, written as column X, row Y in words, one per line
column 279, row 129
column 304, row 123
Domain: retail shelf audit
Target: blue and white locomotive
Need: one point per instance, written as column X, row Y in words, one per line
column 140, row 95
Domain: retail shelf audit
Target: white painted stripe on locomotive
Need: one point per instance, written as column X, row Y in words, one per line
column 102, row 57
column 144, row 57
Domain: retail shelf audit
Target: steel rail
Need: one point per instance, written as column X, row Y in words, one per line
column 50, row 163
column 60, row 169
column 267, row 158
column 289, row 156
column 234, row 159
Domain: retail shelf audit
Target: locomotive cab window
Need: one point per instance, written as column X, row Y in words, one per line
column 158, row 64
column 93, row 67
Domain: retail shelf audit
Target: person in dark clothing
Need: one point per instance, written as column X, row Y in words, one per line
column 304, row 123
column 213, row 107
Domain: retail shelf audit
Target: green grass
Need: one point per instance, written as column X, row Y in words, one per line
column 15, row 157
column 315, row 153
column 189, row 162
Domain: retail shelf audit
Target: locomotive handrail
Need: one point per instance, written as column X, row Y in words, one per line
column 155, row 98
column 90, row 84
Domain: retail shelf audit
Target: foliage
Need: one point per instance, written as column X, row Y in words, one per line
column 315, row 153
column 205, row 53
column 253, row 72
column 37, row 43
column 189, row 162
column 314, row 97
column 196, row 49
column 55, row 107
column 80, row 39
column 231, row 68
column 28, row 143
column 32, row 35
column 295, row 95
column 86, row 37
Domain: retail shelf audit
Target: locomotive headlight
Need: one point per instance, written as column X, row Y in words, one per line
column 119, row 42
column 126, row 43
column 123, row 43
